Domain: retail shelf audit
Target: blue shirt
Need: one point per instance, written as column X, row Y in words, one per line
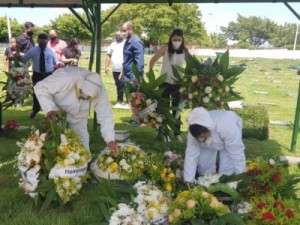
column 133, row 54
column 34, row 54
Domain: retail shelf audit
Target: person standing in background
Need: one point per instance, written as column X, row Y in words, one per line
column 71, row 54
column 174, row 53
column 43, row 61
column 11, row 55
column 57, row 45
column 133, row 53
column 114, row 56
column 25, row 41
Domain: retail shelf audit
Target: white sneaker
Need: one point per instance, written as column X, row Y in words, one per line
column 126, row 106
column 118, row 105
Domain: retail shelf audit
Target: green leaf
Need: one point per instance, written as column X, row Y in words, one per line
column 105, row 211
column 197, row 222
column 224, row 62
column 225, row 189
column 45, row 186
column 231, row 218
column 49, row 197
column 109, row 200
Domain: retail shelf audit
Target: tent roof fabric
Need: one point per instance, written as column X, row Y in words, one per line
column 78, row 3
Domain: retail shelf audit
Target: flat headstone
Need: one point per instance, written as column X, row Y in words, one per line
column 269, row 77
column 290, row 160
column 261, row 92
column 267, row 103
column 292, row 95
column 267, row 73
column 276, row 81
column 280, row 123
column 23, row 127
column 235, row 104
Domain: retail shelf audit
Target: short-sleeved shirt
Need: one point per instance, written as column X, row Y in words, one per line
column 71, row 54
column 24, row 43
column 8, row 52
column 57, row 46
column 115, row 50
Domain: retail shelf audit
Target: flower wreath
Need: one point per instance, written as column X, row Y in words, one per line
column 18, row 85
column 52, row 164
column 208, row 84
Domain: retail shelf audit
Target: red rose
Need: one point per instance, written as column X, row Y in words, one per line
column 196, row 84
column 280, row 205
column 267, row 189
column 217, row 80
column 251, row 172
column 289, row 213
column 202, row 79
column 268, row 216
column 260, row 205
column 276, row 178
column 256, row 185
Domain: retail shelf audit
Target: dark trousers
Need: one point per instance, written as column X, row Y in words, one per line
column 36, row 77
column 120, row 86
column 171, row 91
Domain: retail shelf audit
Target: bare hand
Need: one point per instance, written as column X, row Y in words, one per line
column 114, row 148
column 52, row 115
column 106, row 70
column 121, row 76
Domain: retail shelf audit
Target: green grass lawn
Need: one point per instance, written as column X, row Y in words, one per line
column 17, row 209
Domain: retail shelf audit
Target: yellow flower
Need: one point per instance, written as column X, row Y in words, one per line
column 195, row 93
column 142, row 166
column 165, row 170
column 130, row 149
column 158, row 207
column 103, row 167
column 150, row 214
column 154, row 167
column 171, row 218
column 101, row 159
column 215, row 203
column 113, row 167
column 177, row 212
column 168, row 187
column 205, row 194
column 152, row 203
column 220, row 90
column 141, row 155
column 163, row 176
column 65, row 179
column 172, row 176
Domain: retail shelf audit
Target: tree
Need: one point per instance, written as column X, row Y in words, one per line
column 253, row 30
column 70, row 27
column 16, row 28
column 284, row 35
column 155, row 22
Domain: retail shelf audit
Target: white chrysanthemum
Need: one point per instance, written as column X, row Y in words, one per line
column 208, row 179
column 227, row 89
column 208, row 89
column 220, row 77
column 109, row 160
column 63, row 140
column 182, row 89
column 205, row 99
column 148, row 101
column 217, row 98
column 243, row 207
column 190, row 96
column 194, row 79
column 159, row 119
column 209, row 95
column 271, row 162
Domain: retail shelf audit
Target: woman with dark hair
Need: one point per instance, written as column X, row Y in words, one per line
column 71, row 54
column 173, row 53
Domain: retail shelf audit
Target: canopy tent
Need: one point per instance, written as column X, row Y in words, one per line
column 92, row 9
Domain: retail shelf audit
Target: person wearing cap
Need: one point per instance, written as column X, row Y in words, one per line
column 174, row 53
column 75, row 90
column 43, row 62
column 209, row 133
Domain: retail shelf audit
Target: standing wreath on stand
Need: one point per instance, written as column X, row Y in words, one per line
column 149, row 107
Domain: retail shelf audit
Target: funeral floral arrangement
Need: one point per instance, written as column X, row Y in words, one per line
column 267, row 210
column 128, row 165
column 196, row 206
column 11, row 125
column 148, row 106
column 208, row 84
column 149, row 206
column 52, row 164
column 17, row 87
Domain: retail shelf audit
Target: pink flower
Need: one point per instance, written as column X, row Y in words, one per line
column 289, row 213
column 268, row 216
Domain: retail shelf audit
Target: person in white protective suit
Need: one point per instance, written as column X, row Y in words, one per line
column 209, row 133
column 75, row 90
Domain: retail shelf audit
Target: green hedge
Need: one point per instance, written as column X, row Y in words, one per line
column 255, row 122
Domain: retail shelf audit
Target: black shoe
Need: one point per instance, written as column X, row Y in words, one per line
column 32, row 114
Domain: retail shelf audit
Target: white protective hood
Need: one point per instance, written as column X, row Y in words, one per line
column 201, row 117
column 90, row 84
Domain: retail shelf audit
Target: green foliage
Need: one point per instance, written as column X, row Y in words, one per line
column 255, row 122
column 156, row 21
column 16, row 28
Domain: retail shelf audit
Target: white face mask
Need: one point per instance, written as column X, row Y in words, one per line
column 125, row 34
column 176, row 44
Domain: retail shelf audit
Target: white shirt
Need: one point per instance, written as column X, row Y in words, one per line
column 168, row 61
column 116, row 51
column 226, row 136
column 58, row 92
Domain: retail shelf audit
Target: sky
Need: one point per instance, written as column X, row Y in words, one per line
column 213, row 15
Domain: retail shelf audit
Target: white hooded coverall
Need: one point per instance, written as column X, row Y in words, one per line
column 58, row 92
column 226, row 137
